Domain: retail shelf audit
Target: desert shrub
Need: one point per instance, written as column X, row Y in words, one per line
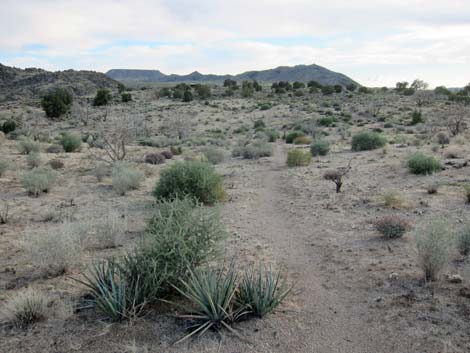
column 167, row 154
column 195, row 179
column 125, row 178
column 419, row 163
column 126, row 97
column 8, row 126
column 298, row 157
column 433, row 249
column 326, row 121
column 70, row 142
column 33, row 160
column 56, row 164
column 181, row 234
column 109, row 230
column 392, row 198
column 176, row 150
column 442, row 139
column 259, row 124
column 291, row 136
column 302, row 140
column 56, row 103
column 100, row 172
column 253, row 150
column 115, row 294
column 210, row 293
column 103, row 97
column 261, row 291
column 416, row 117
column 187, row 96
column 463, row 239
column 466, row 189
column 319, row 148
column 3, row 167
column 365, row 141
column 214, row 155
column 56, row 250
column 391, row 226
column 26, row 146
column 432, row 187
column 327, row 90
column 155, row 158
column 272, row 135
column 39, row 180
column 26, row 307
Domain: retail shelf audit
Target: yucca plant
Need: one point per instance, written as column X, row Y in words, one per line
column 262, row 290
column 113, row 296
column 211, row 293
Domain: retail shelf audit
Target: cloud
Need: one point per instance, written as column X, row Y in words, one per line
column 374, row 42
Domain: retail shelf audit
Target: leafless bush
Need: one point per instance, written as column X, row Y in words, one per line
column 337, row 176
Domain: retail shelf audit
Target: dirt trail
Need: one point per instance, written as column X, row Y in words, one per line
column 326, row 320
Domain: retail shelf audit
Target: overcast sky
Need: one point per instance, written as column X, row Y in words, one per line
column 376, row 42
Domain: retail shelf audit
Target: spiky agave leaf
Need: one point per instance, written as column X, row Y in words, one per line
column 262, row 290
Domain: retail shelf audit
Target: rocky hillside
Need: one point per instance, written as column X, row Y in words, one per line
column 31, row 83
column 302, row 73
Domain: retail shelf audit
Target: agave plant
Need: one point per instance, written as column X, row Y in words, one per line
column 211, row 293
column 113, row 296
column 262, row 290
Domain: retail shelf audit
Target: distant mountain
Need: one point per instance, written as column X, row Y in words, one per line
column 16, row 84
column 301, row 73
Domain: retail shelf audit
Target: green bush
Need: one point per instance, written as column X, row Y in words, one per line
column 33, row 160
column 326, row 121
column 433, row 246
column 291, row 136
column 416, row 117
column 71, row 142
column 26, row 146
column 8, row 126
column 419, row 163
column 125, row 178
column 103, row 97
column 365, row 141
column 391, row 226
column 319, row 148
column 187, row 96
column 297, row 158
column 181, row 234
column 56, row 103
column 196, row 179
column 262, row 290
column 126, row 97
column 259, row 124
column 38, row 180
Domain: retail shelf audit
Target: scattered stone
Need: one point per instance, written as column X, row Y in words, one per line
column 393, row 276
column 456, row 278
column 456, row 163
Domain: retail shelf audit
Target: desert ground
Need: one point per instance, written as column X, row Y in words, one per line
column 352, row 289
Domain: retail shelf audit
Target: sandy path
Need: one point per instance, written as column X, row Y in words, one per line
column 328, row 319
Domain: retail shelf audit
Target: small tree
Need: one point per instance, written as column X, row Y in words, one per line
column 187, row 96
column 103, row 97
column 337, row 176
column 247, row 89
column 56, row 103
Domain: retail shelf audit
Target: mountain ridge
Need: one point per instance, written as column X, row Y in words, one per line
column 301, row 73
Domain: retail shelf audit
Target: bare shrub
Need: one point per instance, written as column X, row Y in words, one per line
column 39, row 180
column 109, row 230
column 337, row 176
column 155, row 158
column 125, row 178
column 392, row 226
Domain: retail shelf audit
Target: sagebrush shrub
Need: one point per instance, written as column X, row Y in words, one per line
column 26, row 307
column 433, row 248
column 214, row 155
column 33, row 160
column 155, row 158
column 253, row 150
column 391, row 226
column 319, row 148
column 198, row 180
column 109, row 230
column 71, row 142
column 126, row 178
column 56, row 250
column 463, row 239
column 26, row 146
column 291, row 136
column 419, row 163
column 39, row 180
column 365, row 141
column 272, row 135
column 297, row 157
